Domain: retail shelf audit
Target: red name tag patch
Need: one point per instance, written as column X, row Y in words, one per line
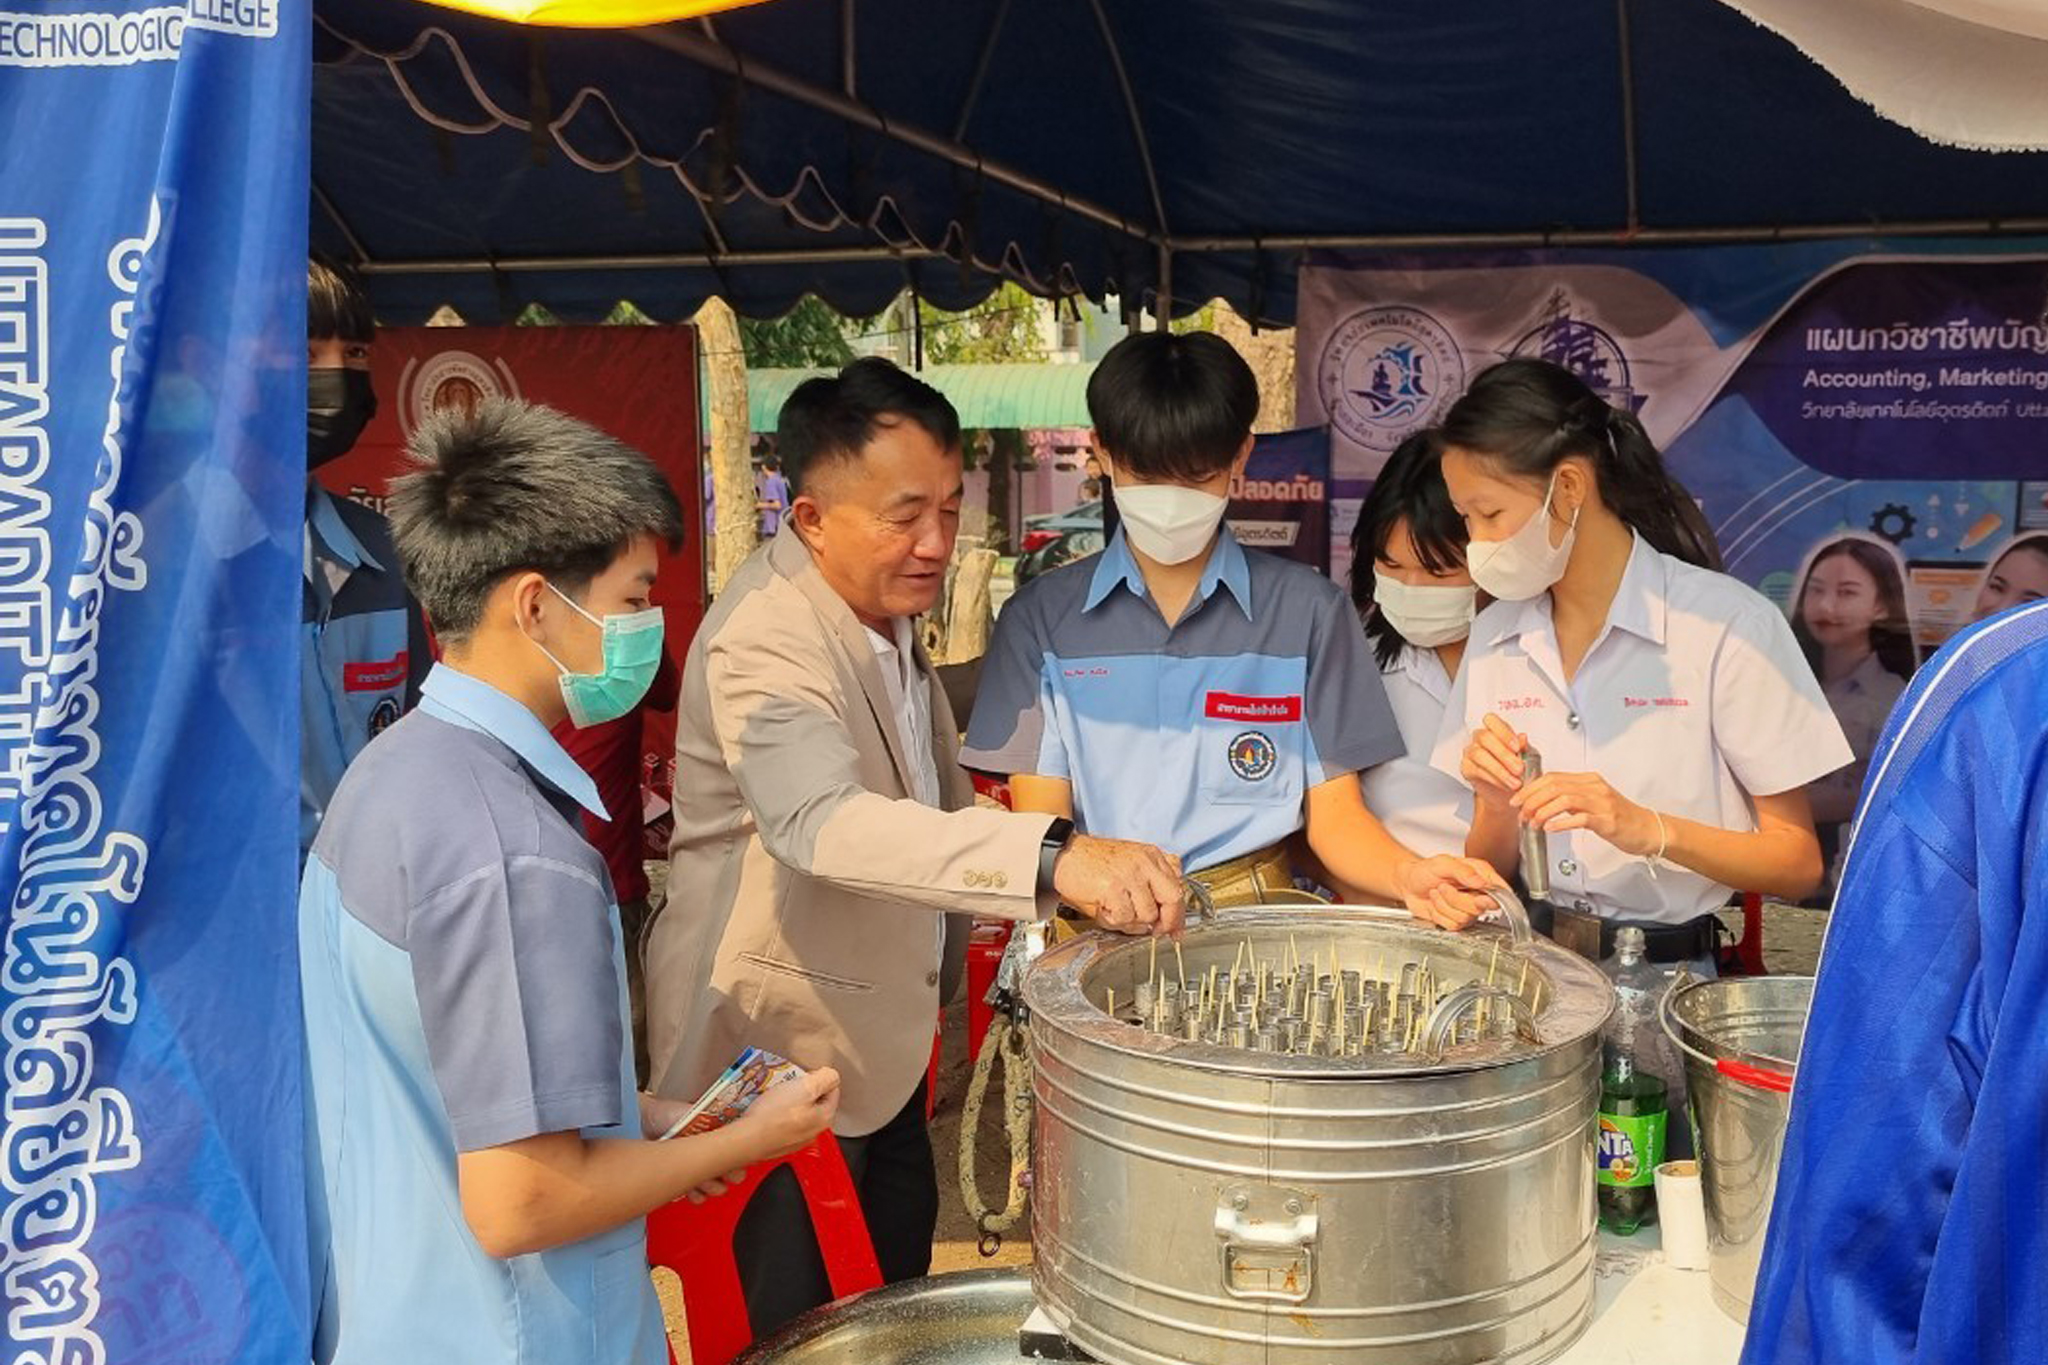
column 375, row 676
column 1230, row 706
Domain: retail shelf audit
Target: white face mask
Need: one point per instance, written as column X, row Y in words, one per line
column 1425, row 615
column 1167, row 523
column 1526, row 564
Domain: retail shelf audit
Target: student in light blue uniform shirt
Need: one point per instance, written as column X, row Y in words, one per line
column 1183, row 691
column 479, row 1162
column 363, row 648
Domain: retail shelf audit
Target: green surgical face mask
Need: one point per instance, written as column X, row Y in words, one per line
column 632, row 656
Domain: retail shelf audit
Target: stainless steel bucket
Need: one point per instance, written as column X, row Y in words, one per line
column 969, row 1318
column 1740, row 1038
column 1197, row 1204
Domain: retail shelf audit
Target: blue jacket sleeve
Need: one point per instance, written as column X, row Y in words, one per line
column 1911, row 1213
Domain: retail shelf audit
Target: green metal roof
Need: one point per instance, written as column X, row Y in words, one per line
column 988, row 396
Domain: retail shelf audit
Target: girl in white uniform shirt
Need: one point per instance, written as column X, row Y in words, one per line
column 1409, row 583
column 1677, row 721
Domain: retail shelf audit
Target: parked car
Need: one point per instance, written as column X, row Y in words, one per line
column 1064, row 548
column 1043, row 529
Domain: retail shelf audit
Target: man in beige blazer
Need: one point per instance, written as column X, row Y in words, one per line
column 827, row 852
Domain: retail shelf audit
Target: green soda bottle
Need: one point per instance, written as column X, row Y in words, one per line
column 1633, row 1108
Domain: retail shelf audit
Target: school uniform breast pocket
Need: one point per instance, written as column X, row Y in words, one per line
column 1251, row 750
column 1662, row 751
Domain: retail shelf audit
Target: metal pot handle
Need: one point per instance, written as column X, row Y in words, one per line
column 1520, row 930
column 1680, row 979
column 1199, row 899
column 1436, row 1034
column 1742, row 1073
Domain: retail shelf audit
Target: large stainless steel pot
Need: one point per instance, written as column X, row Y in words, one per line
column 1197, row 1203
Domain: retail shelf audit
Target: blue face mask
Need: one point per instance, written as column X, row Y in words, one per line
column 632, row 656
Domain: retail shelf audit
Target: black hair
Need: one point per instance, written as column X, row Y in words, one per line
column 1529, row 416
column 1173, row 407
column 1410, row 488
column 2036, row 543
column 336, row 306
column 830, row 419
column 1891, row 639
column 515, row 488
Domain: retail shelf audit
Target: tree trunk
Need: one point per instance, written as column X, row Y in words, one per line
column 1270, row 353
column 968, row 614
column 1002, row 458
column 737, row 526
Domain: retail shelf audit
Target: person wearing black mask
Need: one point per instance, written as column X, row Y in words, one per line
column 364, row 645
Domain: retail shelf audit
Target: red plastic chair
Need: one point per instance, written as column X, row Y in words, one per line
column 984, row 955
column 695, row 1241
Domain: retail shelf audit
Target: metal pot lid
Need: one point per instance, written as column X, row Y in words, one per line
column 1568, row 998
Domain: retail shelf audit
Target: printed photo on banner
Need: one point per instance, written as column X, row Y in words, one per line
column 1850, row 616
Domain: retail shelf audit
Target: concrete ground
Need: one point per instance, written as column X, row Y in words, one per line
column 1792, row 938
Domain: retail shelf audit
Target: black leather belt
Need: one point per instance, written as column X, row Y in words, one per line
column 1662, row 943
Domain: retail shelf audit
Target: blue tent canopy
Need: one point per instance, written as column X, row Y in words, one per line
column 1184, row 148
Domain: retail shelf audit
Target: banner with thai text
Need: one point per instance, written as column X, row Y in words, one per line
column 1895, row 394
column 1281, row 503
column 153, row 187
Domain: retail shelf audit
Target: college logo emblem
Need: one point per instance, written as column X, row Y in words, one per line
column 1252, row 756
column 1385, row 372
column 450, row 379
column 384, row 716
column 1586, row 349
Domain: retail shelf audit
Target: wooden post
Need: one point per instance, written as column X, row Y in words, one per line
column 738, row 523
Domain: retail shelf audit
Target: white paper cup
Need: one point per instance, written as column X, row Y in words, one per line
column 1681, row 1215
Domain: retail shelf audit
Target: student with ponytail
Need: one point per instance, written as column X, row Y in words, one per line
column 1677, row 721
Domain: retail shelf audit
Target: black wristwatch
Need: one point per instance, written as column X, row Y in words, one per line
column 1058, row 835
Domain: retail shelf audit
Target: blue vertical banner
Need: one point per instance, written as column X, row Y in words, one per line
column 153, row 189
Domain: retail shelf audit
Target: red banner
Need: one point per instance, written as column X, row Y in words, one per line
column 636, row 383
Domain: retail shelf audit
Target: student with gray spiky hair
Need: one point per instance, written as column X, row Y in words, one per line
column 479, row 1163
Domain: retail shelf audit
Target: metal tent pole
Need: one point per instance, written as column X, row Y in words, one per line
column 661, row 261
column 1628, row 114
column 708, row 52
column 1618, row 236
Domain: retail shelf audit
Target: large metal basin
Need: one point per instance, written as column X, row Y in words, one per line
column 1196, row 1204
column 966, row 1319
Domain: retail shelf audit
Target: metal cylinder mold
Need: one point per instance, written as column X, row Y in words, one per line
column 1425, row 1197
